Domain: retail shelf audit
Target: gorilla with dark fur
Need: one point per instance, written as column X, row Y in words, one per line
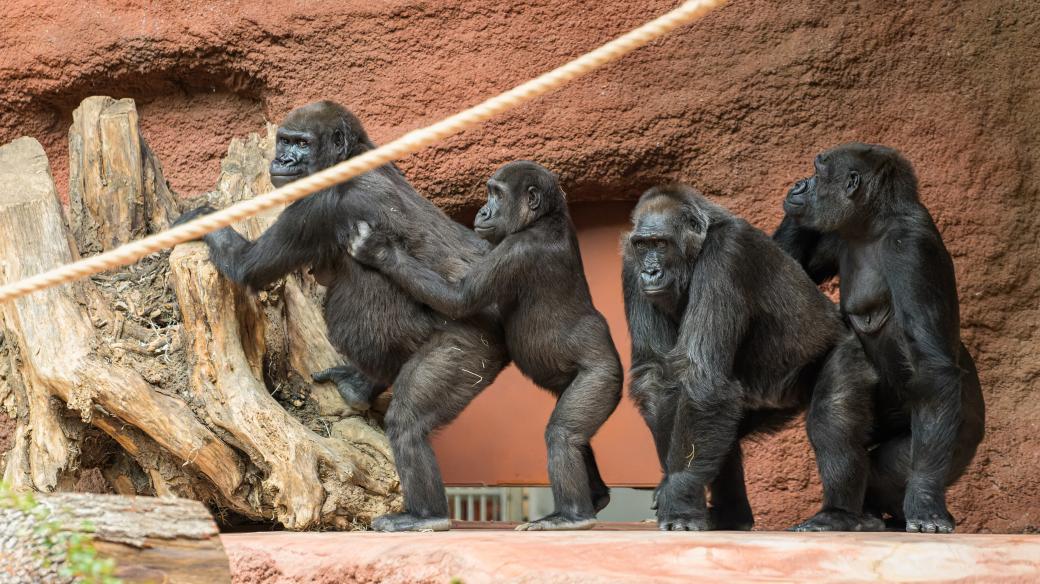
column 859, row 218
column 437, row 365
column 729, row 338
column 555, row 335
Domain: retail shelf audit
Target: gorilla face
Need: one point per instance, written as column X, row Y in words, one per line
column 664, row 244
column 518, row 194
column 830, row 199
column 313, row 138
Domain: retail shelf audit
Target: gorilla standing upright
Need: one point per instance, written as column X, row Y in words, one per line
column 730, row 337
column 534, row 274
column 859, row 217
column 437, row 365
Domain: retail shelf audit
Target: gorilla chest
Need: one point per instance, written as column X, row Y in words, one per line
column 866, row 298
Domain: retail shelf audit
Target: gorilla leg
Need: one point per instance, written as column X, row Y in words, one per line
column 431, row 390
column 352, row 385
column 730, row 508
column 838, row 424
column 599, row 489
column 890, row 461
column 582, row 408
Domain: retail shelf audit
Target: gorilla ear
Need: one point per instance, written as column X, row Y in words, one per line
column 340, row 141
column 852, row 183
column 534, row 198
column 694, row 230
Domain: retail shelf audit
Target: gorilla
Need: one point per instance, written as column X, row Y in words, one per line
column 555, row 335
column 859, row 217
column 436, row 364
column 729, row 338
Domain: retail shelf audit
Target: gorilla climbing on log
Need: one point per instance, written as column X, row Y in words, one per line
column 729, row 338
column 859, row 217
column 555, row 335
column 437, row 365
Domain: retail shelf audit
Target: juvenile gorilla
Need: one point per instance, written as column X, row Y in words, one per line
column 553, row 332
column 860, row 218
column 436, row 365
column 730, row 337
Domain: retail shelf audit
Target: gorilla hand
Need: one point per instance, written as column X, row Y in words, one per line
column 193, row 214
column 371, row 248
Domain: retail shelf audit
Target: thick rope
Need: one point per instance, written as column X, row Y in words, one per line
column 408, row 144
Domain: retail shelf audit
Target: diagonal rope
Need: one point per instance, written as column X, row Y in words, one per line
column 409, row 143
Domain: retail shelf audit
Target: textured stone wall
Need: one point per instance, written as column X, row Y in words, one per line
column 736, row 105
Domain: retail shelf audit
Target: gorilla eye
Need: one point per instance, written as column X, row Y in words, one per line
column 661, row 244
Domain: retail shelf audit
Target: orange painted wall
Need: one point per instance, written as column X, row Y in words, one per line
column 498, row 439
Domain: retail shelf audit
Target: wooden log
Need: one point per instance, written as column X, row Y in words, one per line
column 150, row 539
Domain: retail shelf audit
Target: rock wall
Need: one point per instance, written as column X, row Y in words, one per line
column 736, row 104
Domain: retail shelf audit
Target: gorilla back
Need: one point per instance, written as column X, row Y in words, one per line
column 391, row 338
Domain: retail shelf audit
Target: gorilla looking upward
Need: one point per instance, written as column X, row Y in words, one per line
column 553, row 332
column 859, row 217
column 730, row 337
column 436, row 365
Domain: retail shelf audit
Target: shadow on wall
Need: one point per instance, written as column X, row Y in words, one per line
column 188, row 118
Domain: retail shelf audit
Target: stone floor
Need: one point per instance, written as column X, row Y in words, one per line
column 629, row 553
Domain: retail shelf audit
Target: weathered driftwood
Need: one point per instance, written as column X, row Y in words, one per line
column 150, row 539
column 205, row 394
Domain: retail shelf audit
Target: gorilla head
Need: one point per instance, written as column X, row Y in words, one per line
column 670, row 224
column 520, row 193
column 315, row 137
column 852, row 184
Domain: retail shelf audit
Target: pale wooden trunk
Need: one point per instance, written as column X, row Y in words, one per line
column 181, row 383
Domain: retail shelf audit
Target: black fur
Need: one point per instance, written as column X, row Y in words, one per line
column 553, row 332
column 859, row 217
column 437, row 365
column 730, row 337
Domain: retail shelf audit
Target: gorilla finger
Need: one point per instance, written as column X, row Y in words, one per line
column 193, row 214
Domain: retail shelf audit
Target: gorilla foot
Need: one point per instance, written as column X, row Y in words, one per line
column 558, row 522
column 836, row 520
column 600, row 500
column 935, row 522
column 927, row 514
column 407, row 522
column 351, row 386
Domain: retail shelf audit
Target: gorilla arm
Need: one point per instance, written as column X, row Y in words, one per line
column 293, row 241
column 816, row 252
column 477, row 290
column 710, row 402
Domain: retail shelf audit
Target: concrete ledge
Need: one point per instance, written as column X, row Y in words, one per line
column 637, row 555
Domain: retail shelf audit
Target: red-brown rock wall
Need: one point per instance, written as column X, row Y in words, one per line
column 736, row 104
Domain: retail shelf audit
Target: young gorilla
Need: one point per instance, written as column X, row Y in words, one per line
column 730, row 337
column 430, row 360
column 860, row 218
column 553, row 333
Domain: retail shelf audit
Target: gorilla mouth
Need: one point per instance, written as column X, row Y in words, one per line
column 655, row 291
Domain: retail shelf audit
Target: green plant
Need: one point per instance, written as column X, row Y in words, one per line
column 73, row 550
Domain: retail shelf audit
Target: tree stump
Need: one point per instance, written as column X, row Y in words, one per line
column 164, row 376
